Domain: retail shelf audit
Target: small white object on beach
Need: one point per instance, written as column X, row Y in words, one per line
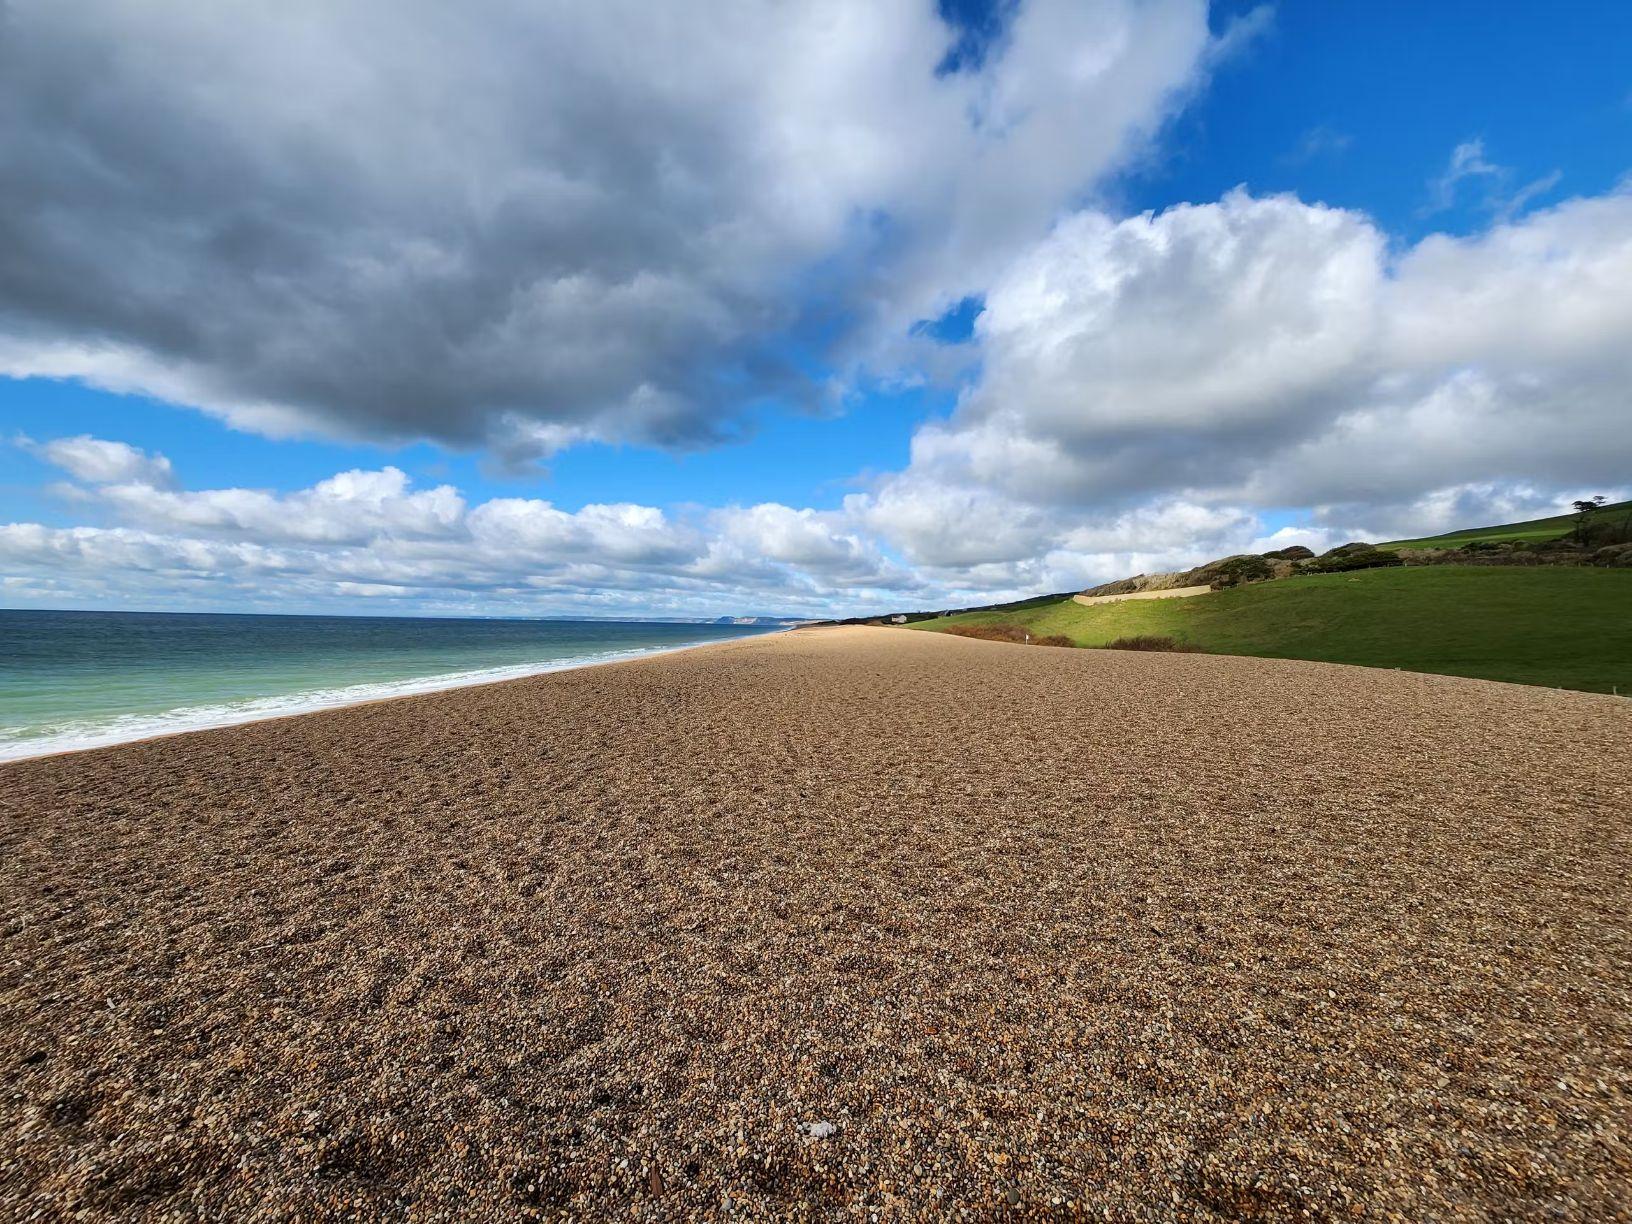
column 816, row 1131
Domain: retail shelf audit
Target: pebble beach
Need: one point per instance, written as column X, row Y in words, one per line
column 855, row 923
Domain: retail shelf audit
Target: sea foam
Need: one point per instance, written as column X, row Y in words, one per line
column 75, row 736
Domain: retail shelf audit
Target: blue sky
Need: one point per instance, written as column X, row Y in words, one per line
column 874, row 430
column 1361, row 106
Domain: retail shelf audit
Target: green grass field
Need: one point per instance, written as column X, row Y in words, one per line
column 1565, row 627
column 1533, row 532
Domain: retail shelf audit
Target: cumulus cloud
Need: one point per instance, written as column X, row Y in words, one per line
column 627, row 535
column 522, row 225
column 1148, row 341
column 1148, row 386
column 1267, row 352
column 372, row 535
column 825, row 545
column 102, row 462
column 351, row 507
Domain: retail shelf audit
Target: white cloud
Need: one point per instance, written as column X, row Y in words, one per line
column 824, row 545
column 1444, row 509
column 351, row 507
column 1318, row 142
column 1552, row 289
column 1468, row 163
column 1265, row 352
column 1147, row 383
column 624, row 534
column 1213, row 317
column 951, row 524
column 102, row 462
column 370, row 535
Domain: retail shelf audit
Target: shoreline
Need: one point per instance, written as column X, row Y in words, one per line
column 445, row 682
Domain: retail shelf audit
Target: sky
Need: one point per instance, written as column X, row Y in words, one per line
column 520, row 308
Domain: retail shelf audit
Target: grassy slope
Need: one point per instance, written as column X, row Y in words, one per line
column 1531, row 532
column 1561, row 626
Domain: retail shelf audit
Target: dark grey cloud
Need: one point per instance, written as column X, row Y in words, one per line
column 521, row 224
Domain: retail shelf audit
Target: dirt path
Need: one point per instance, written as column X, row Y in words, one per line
column 846, row 921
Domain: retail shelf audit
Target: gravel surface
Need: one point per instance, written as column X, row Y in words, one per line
column 857, row 922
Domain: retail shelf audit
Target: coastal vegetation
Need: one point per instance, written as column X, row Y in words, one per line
column 1152, row 641
column 1540, row 602
column 1565, row 627
column 1006, row 631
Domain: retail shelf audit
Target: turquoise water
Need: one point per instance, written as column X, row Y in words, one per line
column 83, row 679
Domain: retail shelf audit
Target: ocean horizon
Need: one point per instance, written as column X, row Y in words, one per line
column 71, row 680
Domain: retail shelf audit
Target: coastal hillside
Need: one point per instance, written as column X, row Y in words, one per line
column 1541, row 602
column 1610, row 519
column 1556, row 626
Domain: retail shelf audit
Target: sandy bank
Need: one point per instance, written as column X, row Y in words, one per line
column 1025, row 928
column 1170, row 593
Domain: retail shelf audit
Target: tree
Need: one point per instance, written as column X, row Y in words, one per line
column 1584, row 510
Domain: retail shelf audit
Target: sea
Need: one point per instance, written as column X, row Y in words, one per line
column 71, row 680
